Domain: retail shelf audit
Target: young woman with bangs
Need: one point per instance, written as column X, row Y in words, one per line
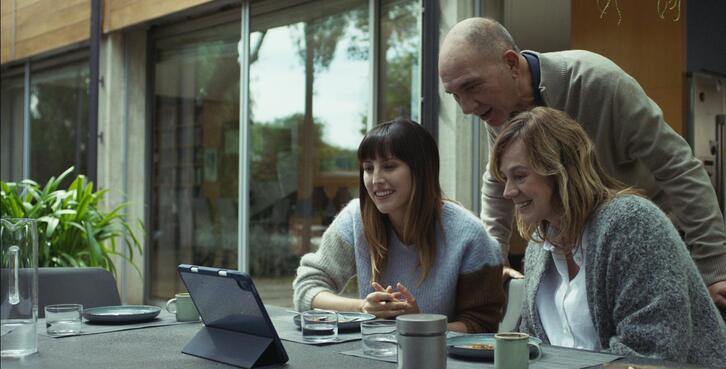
column 432, row 256
column 605, row 269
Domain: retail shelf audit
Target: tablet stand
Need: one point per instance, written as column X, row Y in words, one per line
column 234, row 348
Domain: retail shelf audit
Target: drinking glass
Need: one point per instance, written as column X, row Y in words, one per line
column 319, row 326
column 379, row 337
column 63, row 319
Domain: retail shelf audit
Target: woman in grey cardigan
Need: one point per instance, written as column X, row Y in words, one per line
column 605, row 268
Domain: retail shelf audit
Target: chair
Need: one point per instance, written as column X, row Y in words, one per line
column 513, row 308
column 90, row 287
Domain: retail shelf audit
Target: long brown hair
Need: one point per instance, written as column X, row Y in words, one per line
column 559, row 148
column 409, row 142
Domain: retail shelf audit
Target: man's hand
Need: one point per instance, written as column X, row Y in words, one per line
column 718, row 293
column 509, row 273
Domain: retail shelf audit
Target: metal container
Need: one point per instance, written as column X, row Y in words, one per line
column 421, row 341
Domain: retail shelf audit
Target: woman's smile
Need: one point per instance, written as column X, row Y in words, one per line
column 388, row 182
column 382, row 195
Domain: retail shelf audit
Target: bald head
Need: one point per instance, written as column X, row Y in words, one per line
column 486, row 36
column 481, row 67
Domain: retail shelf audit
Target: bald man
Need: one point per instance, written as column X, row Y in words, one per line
column 483, row 69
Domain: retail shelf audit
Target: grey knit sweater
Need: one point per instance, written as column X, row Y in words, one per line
column 466, row 259
column 645, row 294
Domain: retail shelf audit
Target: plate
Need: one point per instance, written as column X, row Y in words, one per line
column 347, row 321
column 480, row 347
column 121, row 313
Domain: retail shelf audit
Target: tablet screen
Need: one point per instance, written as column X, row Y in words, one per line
column 227, row 302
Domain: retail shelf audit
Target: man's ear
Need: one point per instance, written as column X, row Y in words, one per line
column 511, row 59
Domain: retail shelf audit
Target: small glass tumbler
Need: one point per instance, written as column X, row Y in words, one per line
column 63, row 319
column 319, row 326
column 379, row 337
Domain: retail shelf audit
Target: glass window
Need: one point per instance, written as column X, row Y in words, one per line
column 195, row 154
column 309, row 93
column 400, row 37
column 59, row 121
column 11, row 129
column 309, row 87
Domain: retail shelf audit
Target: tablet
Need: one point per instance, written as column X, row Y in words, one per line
column 238, row 330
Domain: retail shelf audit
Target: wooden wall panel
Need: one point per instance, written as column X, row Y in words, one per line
column 651, row 49
column 25, row 3
column 124, row 13
column 7, row 30
column 63, row 36
column 41, row 18
column 31, row 27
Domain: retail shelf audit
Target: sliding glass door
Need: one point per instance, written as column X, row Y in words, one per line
column 312, row 75
column 309, row 88
column 195, row 153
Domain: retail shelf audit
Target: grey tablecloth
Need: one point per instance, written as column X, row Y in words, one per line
column 552, row 358
column 160, row 348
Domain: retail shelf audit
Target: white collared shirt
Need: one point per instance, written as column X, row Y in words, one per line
column 562, row 304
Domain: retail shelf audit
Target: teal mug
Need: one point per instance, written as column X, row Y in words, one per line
column 511, row 350
column 183, row 307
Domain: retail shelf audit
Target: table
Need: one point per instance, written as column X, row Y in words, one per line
column 160, row 347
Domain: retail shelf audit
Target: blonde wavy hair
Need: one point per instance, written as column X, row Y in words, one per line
column 558, row 147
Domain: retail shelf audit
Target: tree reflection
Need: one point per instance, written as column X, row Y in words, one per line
column 59, row 123
column 301, row 178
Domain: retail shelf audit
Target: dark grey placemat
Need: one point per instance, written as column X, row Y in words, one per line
column 552, row 357
column 164, row 318
column 359, row 353
column 287, row 330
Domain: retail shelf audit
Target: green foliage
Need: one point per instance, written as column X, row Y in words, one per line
column 272, row 140
column 72, row 230
column 319, row 40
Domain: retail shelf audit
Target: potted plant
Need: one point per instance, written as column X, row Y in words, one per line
column 73, row 231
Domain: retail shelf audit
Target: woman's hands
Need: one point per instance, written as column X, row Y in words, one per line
column 387, row 303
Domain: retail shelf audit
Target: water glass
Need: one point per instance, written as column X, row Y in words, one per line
column 63, row 319
column 379, row 337
column 319, row 326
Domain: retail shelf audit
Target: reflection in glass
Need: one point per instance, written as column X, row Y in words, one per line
column 400, row 44
column 308, row 107
column 11, row 129
column 59, row 121
column 195, row 154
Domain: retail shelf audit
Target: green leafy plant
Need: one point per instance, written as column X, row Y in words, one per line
column 72, row 229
